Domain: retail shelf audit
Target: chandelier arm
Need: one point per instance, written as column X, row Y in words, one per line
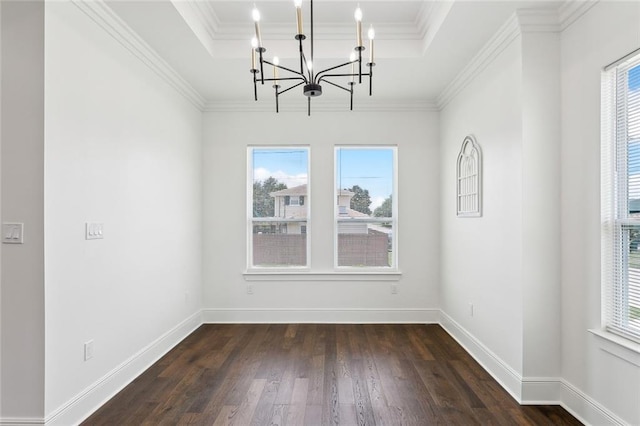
column 285, row 78
column 255, row 86
column 335, row 84
column 312, row 58
column 301, row 57
column 370, row 80
column 304, row 58
column 320, row 74
column 286, row 69
column 261, row 66
column 351, row 84
column 289, row 88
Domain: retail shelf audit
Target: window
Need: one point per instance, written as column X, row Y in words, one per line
column 365, row 211
column 621, row 198
column 277, row 212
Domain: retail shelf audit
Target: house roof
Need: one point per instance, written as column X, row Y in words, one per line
column 346, row 192
column 302, row 190
column 355, row 213
column 296, row 190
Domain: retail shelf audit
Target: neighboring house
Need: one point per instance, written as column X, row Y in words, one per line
column 291, row 203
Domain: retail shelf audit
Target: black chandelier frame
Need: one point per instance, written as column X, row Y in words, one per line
column 306, row 77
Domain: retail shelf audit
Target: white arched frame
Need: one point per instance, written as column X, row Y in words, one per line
column 469, row 179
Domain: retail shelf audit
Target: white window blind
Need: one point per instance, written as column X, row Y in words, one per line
column 621, row 198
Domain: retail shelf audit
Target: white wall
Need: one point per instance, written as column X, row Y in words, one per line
column 540, row 216
column 535, row 110
column 226, row 136
column 607, row 373
column 123, row 148
column 22, row 309
column 482, row 257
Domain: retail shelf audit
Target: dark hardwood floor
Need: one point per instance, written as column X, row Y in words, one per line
column 319, row 374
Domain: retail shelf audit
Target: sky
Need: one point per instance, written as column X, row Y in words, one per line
column 371, row 169
column 634, row 78
column 634, row 145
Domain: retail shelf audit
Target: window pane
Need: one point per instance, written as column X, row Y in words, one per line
column 279, row 198
column 632, row 130
column 364, row 244
column 279, row 243
column 626, row 296
column 364, row 210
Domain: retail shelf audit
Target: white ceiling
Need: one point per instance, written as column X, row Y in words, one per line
column 420, row 45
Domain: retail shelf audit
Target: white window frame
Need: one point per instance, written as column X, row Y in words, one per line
column 251, row 220
column 394, row 211
column 616, row 220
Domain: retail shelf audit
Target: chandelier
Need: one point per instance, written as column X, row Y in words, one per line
column 310, row 80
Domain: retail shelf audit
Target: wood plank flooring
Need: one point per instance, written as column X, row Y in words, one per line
column 319, row 374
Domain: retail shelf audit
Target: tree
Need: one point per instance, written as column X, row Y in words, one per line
column 361, row 200
column 263, row 203
column 385, row 209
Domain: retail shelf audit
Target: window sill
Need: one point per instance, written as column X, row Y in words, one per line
column 255, row 275
column 618, row 346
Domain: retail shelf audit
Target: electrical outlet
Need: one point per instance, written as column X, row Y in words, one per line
column 394, row 288
column 93, row 231
column 249, row 288
column 88, row 350
column 13, row 233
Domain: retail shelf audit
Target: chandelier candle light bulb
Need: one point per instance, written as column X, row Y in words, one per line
column 358, row 16
column 256, row 19
column 298, row 4
column 254, row 45
column 372, row 35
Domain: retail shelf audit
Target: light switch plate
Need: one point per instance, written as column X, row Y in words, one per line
column 93, row 231
column 13, row 233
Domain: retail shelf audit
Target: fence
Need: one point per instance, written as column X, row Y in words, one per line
column 369, row 249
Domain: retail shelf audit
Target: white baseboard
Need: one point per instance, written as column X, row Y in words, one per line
column 86, row 402
column 23, row 421
column 508, row 378
column 540, row 391
column 585, row 408
column 531, row 390
column 337, row 316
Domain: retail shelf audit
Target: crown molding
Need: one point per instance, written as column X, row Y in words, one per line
column 538, row 20
column 202, row 20
column 431, row 20
column 571, row 10
column 104, row 16
column 509, row 31
column 523, row 21
column 320, row 106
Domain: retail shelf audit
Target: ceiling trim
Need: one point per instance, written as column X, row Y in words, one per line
column 571, row 10
column 320, row 106
column 509, row 31
column 108, row 20
column 538, row 20
column 522, row 21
